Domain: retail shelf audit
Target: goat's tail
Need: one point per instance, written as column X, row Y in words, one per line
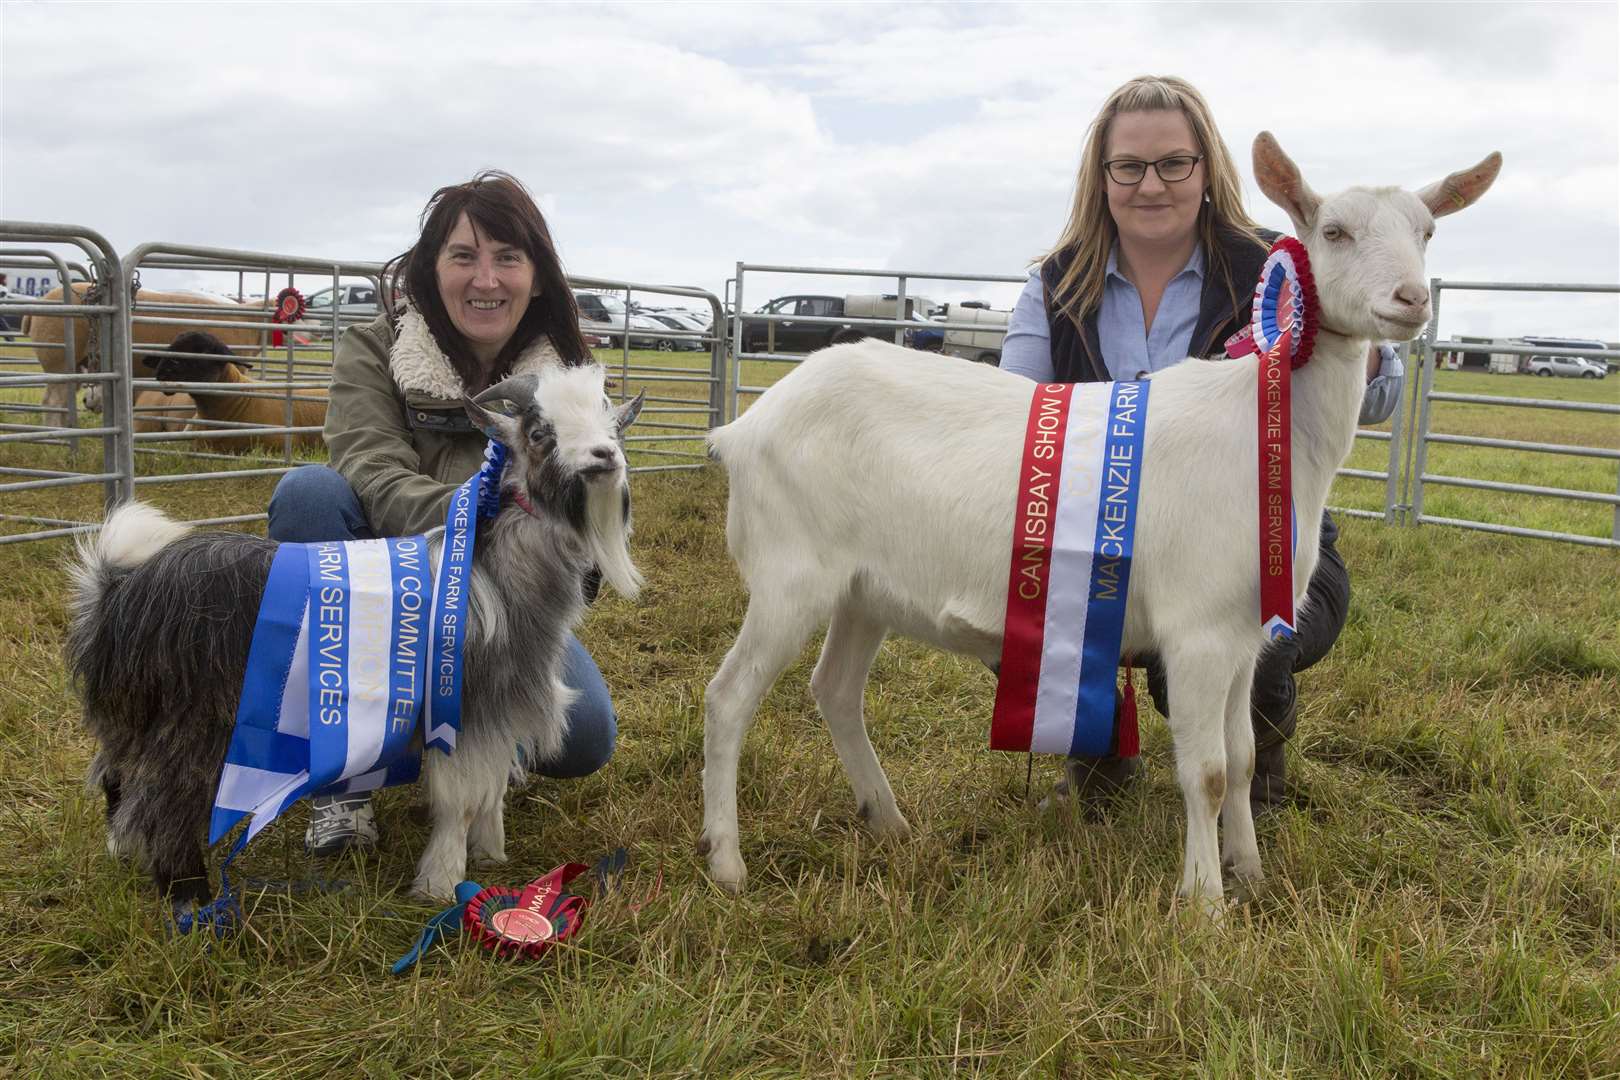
column 716, row 441
column 729, row 444
column 132, row 533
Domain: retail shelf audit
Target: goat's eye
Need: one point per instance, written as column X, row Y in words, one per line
column 1334, row 233
column 537, row 436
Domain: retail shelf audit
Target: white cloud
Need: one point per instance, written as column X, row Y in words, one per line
column 668, row 141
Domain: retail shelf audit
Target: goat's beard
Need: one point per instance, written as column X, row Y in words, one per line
column 607, row 535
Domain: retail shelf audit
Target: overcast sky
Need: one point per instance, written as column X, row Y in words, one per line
column 668, row 142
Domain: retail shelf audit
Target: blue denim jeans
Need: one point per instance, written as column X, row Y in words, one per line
column 314, row 503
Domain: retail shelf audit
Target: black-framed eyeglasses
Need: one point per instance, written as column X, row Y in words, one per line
column 1172, row 169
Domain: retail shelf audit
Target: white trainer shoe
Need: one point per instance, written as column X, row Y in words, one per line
column 338, row 823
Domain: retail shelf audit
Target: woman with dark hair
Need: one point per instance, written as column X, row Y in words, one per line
column 485, row 297
column 1158, row 262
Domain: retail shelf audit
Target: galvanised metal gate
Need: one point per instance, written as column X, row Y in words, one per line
column 1408, row 504
column 691, row 399
column 1406, row 472
column 47, row 446
column 15, row 360
column 683, row 402
column 899, row 323
column 857, row 326
column 142, row 447
column 299, row 370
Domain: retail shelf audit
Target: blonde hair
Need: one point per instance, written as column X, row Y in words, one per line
column 1089, row 235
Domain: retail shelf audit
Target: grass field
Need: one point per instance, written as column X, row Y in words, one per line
column 1443, row 897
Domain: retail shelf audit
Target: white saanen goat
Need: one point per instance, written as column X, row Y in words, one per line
column 872, row 489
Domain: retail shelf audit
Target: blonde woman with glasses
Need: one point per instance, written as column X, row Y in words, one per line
column 1157, row 263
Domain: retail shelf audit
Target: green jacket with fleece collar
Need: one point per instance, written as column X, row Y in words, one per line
column 395, row 427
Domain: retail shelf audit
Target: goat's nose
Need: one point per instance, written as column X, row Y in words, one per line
column 1412, row 295
column 606, row 452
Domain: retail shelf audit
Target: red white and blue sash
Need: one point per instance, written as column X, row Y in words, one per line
column 1282, row 332
column 1073, row 529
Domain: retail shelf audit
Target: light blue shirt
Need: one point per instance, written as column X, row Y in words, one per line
column 1131, row 349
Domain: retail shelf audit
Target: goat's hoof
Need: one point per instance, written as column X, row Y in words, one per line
column 1247, row 869
column 728, row 871
column 437, row 891
column 487, row 858
column 1247, row 889
column 1203, row 908
column 893, row 828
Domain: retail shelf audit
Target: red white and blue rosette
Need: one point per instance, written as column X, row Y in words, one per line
column 1285, row 310
column 1284, row 313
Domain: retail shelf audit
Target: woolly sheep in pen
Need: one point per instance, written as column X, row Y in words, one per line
column 872, row 491
column 189, row 359
column 162, row 620
column 48, row 334
column 156, row 410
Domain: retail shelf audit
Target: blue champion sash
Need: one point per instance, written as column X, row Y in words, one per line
column 443, row 717
column 345, row 655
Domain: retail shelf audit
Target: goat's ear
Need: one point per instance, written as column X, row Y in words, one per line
column 626, row 414
column 497, row 425
column 1462, row 189
column 1281, row 181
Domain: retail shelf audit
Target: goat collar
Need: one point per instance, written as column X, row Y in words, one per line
column 523, row 502
column 419, row 366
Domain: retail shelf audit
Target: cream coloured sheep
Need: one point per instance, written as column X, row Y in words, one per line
column 197, row 356
column 158, row 411
column 47, row 332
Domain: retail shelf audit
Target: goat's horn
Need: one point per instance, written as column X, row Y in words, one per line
column 519, row 389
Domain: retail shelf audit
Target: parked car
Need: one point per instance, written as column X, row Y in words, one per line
column 604, row 315
column 352, row 300
column 928, row 337
column 698, row 320
column 1573, row 366
column 685, row 324
column 789, row 336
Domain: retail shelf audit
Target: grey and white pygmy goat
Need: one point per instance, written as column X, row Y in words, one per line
column 162, row 619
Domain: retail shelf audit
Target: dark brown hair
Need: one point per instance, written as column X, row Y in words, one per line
column 500, row 207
